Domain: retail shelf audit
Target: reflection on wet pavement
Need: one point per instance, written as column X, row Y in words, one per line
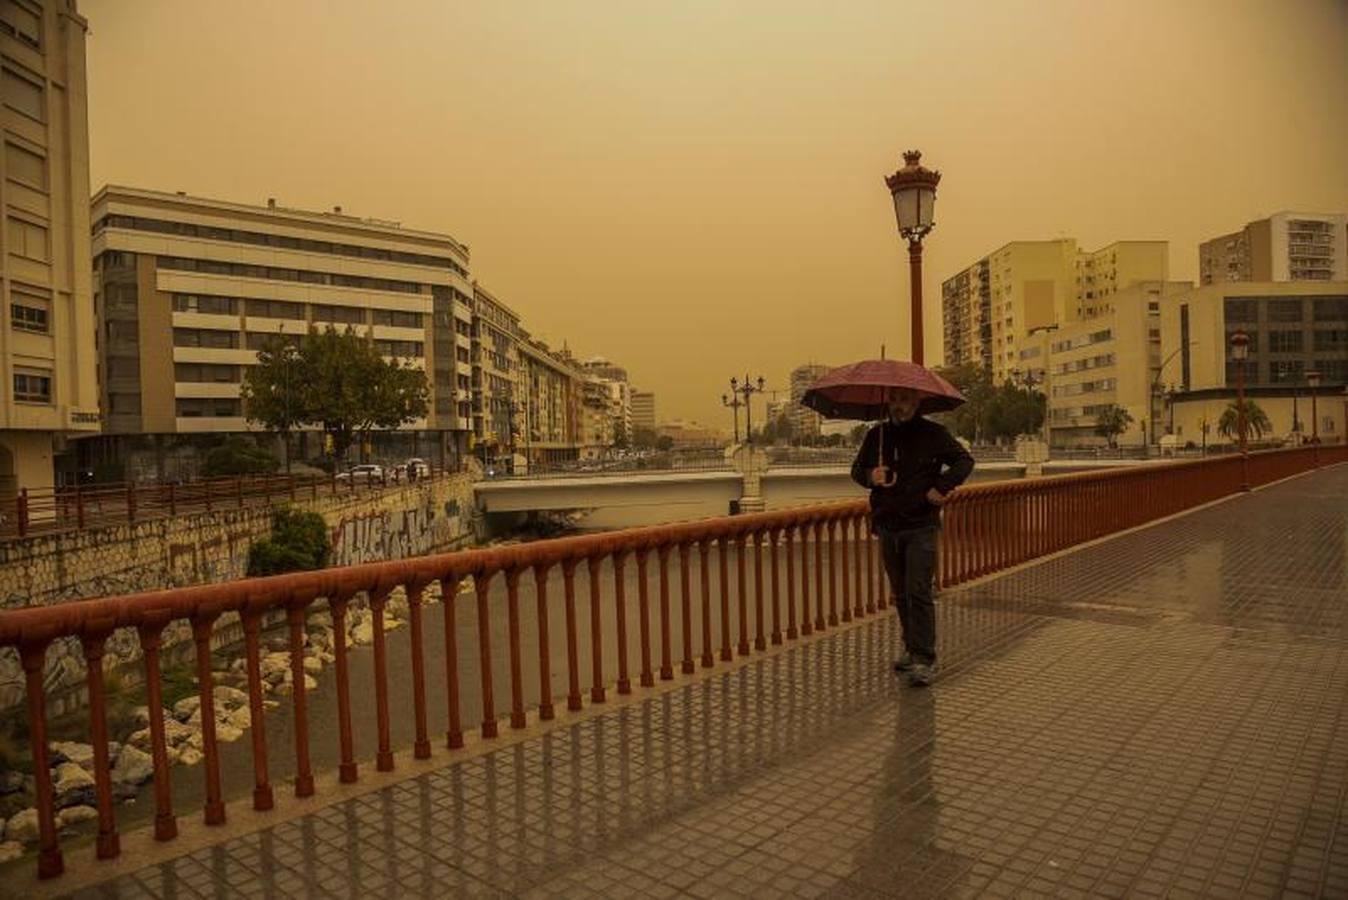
column 1162, row 714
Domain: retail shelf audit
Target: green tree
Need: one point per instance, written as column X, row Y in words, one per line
column 1013, row 410
column 274, row 392
column 971, row 419
column 237, row 455
column 1111, row 422
column 1256, row 421
column 644, row 438
column 299, row 541
column 344, row 386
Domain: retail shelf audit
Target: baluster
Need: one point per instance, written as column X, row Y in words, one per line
column 421, row 744
column 383, row 757
column 449, row 593
column 760, row 642
column 214, row 813
column 832, row 528
column 723, row 571
column 685, row 551
column 704, row 553
column 346, row 768
column 545, row 708
column 304, row 773
column 596, row 634
column 517, row 717
column 49, row 860
column 482, row 582
column 860, row 609
column 773, row 536
column 666, row 648
column 742, row 594
column 262, row 792
column 109, row 844
column 644, row 617
column 806, row 624
column 843, row 569
column 620, row 601
column 572, row 651
column 819, row 576
column 165, row 824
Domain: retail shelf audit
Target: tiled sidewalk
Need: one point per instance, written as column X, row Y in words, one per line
column 1162, row 714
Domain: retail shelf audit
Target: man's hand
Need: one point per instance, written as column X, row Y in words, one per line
column 935, row 497
column 880, row 476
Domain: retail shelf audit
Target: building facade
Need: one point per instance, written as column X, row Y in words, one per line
column 993, row 305
column 1294, row 328
column 188, row 289
column 552, row 412
column 805, row 422
column 498, row 396
column 47, row 348
column 643, row 410
column 1287, row 246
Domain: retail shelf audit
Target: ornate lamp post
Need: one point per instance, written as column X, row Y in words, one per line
column 1313, row 379
column 914, row 191
column 1240, row 350
column 748, row 389
column 733, row 401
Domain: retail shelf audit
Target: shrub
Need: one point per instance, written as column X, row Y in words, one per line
column 238, row 456
column 298, row 541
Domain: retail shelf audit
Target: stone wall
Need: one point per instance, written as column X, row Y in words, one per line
column 430, row 516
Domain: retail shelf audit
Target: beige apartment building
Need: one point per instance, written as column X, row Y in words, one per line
column 1294, row 328
column 498, row 400
column 552, row 412
column 188, row 289
column 47, row 347
column 1287, row 246
column 1110, row 359
column 805, row 422
column 989, row 308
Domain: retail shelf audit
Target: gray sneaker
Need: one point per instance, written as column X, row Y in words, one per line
column 921, row 675
column 904, row 663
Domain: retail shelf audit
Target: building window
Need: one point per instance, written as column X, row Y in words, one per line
column 207, row 373
column 28, row 239
column 27, row 313
column 274, row 309
column 201, row 407
column 206, row 303
column 262, row 340
column 400, row 348
column 1331, row 340
column 25, row 166
column 1284, row 310
column 1284, row 371
column 1284, row 342
column 346, row 315
column 1332, row 371
column 1331, row 309
column 25, row 94
column 1241, row 310
column 205, row 337
column 397, row 318
column 22, row 22
column 1251, row 372
column 32, row 387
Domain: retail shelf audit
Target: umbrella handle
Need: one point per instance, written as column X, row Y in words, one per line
column 880, row 458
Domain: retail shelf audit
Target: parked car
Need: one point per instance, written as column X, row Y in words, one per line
column 366, row 473
column 418, row 467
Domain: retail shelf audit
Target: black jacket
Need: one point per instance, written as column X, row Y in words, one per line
column 921, row 455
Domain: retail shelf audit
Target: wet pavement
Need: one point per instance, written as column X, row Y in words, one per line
column 1162, row 714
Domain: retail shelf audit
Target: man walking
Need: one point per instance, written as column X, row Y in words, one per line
column 910, row 465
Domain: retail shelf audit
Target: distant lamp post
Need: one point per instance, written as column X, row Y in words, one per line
column 1171, row 392
column 1240, row 351
column 733, row 401
column 747, row 390
column 1313, row 379
column 914, row 191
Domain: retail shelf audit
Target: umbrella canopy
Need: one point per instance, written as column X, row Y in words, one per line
column 859, row 390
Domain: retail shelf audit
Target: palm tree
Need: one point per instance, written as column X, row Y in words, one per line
column 1256, row 421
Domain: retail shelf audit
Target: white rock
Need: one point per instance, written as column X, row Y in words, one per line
column 71, row 751
column 73, row 784
column 73, row 815
column 184, row 709
column 226, row 733
column 309, row 683
column 134, row 766
column 189, row 757
column 10, row 850
column 312, row 665
column 363, row 634
column 240, row 718
column 230, row 698
column 393, row 624
column 22, row 827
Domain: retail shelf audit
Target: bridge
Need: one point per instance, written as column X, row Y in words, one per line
column 1143, row 687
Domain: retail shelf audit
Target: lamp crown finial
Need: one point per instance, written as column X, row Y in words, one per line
column 912, row 157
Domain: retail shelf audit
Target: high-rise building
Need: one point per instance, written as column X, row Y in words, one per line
column 187, row 290
column 498, row 398
column 643, row 410
column 990, row 307
column 1287, row 246
column 804, row 421
column 47, row 349
column 552, row 396
column 619, row 391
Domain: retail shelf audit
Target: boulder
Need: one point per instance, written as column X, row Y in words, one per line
column 134, row 767
column 9, row 851
column 73, row 815
column 73, row 785
column 223, row 732
column 363, row 633
column 241, row 718
column 312, row 665
column 229, row 698
column 12, row 804
column 12, row 783
column 71, row 751
column 275, row 667
column 189, row 757
column 140, row 716
column 22, row 827
column 184, row 709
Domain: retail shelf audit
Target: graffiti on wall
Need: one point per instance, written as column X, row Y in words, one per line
column 384, row 534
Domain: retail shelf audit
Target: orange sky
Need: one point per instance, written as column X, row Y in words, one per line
column 694, row 189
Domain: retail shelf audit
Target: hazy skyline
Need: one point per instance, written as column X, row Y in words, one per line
column 694, row 190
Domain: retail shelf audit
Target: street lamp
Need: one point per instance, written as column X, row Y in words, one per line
column 1313, row 379
column 1240, row 350
column 914, row 191
column 748, row 389
column 733, row 401
column 1171, row 392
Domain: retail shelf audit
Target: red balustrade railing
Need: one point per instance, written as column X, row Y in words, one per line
column 987, row 528
column 98, row 506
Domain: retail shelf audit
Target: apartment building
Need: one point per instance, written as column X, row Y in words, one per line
column 552, row 425
column 188, row 289
column 1294, row 328
column 498, row 400
column 805, row 422
column 1110, row 359
column 643, row 410
column 1287, row 246
column 47, row 347
column 619, row 390
column 993, row 305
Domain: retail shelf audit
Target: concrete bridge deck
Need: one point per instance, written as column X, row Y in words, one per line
column 1163, row 713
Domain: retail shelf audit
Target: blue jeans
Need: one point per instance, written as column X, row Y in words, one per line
column 910, row 562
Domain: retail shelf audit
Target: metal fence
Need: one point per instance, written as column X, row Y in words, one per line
column 987, row 528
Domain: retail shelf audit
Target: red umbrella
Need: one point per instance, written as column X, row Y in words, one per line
column 859, row 390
